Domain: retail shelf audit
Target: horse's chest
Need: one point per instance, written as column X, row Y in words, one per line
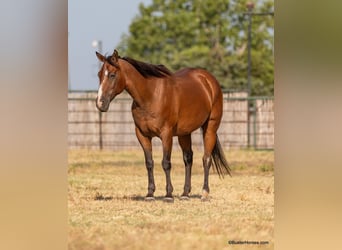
column 146, row 122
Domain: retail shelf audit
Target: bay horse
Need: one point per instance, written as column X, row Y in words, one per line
column 167, row 104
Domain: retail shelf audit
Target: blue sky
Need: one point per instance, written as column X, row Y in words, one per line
column 90, row 20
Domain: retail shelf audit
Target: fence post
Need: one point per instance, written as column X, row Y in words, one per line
column 100, row 130
column 249, row 113
column 254, row 124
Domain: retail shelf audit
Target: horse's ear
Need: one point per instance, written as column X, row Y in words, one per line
column 100, row 57
column 115, row 56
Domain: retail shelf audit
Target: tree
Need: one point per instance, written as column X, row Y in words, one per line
column 211, row 34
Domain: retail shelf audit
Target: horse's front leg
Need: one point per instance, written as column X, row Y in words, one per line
column 166, row 163
column 146, row 144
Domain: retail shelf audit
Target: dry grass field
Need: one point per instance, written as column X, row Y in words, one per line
column 107, row 209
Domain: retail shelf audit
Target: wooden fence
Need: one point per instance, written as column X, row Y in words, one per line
column 114, row 130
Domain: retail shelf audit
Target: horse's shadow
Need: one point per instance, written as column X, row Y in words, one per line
column 142, row 198
column 157, row 198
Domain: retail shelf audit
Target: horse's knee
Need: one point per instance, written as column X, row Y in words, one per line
column 166, row 164
column 149, row 164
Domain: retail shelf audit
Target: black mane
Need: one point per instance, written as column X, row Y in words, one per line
column 147, row 69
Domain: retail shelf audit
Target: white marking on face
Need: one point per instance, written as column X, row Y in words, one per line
column 102, row 83
column 99, row 94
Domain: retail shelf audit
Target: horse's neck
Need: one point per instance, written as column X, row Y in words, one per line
column 139, row 88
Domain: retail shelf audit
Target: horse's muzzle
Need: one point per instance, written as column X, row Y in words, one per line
column 102, row 104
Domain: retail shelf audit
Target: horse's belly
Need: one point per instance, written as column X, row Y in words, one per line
column 188, row 124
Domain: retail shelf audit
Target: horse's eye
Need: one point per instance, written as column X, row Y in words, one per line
column 112, row 75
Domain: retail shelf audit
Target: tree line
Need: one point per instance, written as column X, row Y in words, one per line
column 210, row 34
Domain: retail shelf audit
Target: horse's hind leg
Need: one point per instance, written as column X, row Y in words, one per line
column 209, row 141
column 146, row 144
column 185, row 144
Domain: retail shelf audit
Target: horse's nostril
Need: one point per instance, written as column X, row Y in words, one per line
column 101, row 100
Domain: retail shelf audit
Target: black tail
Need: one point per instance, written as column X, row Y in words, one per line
column 219, row 159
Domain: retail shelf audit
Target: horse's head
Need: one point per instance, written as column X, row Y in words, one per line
column 111, row 82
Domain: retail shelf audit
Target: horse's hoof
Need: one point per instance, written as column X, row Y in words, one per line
column 168, row 199
column 204, row 199
column 205, row 196
column 149, row 198
column 184, row 198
